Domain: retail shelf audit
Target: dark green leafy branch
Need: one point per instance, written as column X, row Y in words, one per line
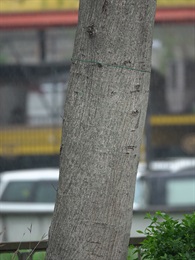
column 168, row 239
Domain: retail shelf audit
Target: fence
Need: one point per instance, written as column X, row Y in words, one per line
column 36, row 246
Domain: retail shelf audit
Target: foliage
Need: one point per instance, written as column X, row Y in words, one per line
column 132, row 253
column 169, row 239
column 13, row 256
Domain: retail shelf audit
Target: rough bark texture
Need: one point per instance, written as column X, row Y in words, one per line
column 102, row 130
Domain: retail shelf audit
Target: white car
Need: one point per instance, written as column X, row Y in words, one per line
column 28, row 187
column 32, row 189
column 27, row 199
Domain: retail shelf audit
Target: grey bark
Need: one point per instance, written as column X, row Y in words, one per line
column 103, row 124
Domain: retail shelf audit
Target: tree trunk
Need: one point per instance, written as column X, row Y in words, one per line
column 102, row 130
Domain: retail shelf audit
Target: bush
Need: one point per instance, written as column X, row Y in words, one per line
column 169, row 239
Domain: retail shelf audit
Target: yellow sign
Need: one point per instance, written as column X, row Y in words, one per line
column 67, row 5
column 175, row 3
column 38, row 5
column 29, row 141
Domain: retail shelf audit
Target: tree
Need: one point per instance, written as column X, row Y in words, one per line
column 103, row 123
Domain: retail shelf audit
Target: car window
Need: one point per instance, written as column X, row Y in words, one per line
column 180, row 192
column 46, row 192
column 18, row 191
column 140, row 194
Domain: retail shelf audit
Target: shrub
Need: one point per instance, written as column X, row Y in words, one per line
column 169, row 239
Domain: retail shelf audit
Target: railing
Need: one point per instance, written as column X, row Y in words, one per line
column 37, row 246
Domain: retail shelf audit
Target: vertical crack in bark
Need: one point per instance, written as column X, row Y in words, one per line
column 105, row 7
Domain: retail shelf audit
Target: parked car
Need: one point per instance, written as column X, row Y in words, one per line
column 169, row 189
column 27, row 200
column 29, row 186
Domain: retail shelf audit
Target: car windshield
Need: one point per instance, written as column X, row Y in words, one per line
column 30, row 191
column 46, row 192
column 140, row 194
column 180, row 192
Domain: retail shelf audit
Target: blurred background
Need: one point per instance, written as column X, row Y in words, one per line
column 36, row 44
